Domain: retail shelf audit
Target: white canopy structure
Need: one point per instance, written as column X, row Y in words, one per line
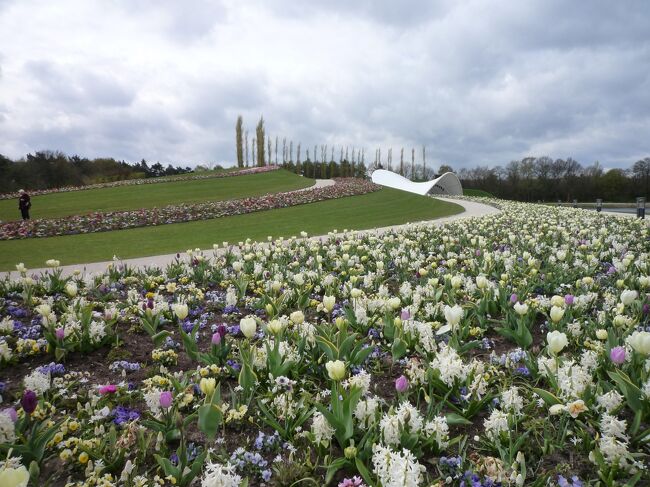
column 447, row 184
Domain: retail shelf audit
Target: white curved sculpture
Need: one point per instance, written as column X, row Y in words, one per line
column 447, row 184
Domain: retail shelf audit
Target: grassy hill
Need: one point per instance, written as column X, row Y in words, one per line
column 156, row 195
column 381, row 208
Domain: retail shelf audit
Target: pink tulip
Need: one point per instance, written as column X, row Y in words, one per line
column 59, row 333
column 166, row 399
column 401, row 384
column 216, row 338
column 617, row 355
column 405, row 315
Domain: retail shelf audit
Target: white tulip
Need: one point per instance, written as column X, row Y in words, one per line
column 481, row 282
column 180, row 310
column 556, row 313
column 628, row 297
column 456, row 282
column 640, row 342
column 248, row 326
column 556, row 341
column 297, row 317
column 335, row 369
column 71, row 289
column 520, row 308
column 328, row 303
column 453, row 315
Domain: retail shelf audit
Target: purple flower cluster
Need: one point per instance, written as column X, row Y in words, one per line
column 143, row 217
column 122, row 415
column 119, row 365
column 52, row 368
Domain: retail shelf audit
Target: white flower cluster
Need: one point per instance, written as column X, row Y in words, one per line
column 219, row 475
column 396, row 468
column 407, row 419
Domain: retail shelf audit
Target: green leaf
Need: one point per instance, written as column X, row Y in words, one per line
column 363, row 470
column 455, row 419
column 548, row 397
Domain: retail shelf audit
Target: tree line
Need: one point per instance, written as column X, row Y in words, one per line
column 52, row 169
column 547, row 179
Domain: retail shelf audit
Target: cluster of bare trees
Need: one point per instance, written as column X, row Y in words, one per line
column 547, row 179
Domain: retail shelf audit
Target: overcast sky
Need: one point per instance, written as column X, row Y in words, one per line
column 477, row 82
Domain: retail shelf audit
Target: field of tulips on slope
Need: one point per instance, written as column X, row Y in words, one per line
column 506, row 350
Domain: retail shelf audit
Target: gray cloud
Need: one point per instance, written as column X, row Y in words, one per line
column 476, row 82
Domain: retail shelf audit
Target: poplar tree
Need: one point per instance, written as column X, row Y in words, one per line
column 401, row 162
column 424, row 164
column 290, row 151
column 284, row 150
column 276, row 149
column 268, row 140
column 246, row 140
column 412, row 163
column 253, row 157
column 239, row 141
column 298, row 168
column 261, row 139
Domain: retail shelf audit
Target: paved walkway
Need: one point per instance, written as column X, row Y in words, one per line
column 472, row 209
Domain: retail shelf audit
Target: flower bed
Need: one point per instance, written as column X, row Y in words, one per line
column 507, row 350
column 119, row 220
column 138, row 182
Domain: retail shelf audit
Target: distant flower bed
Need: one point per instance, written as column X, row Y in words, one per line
column 137, row 182
column 118, row 220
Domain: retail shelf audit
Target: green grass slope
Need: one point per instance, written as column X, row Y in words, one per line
column 378, row 209
column 156, row 195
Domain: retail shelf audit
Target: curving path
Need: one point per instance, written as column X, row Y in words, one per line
column 472, row 209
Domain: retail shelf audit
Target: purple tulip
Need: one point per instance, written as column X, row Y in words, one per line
column 478, row 252
column 222, row 330
column 29, row 401
column 513, row 298
column 568, row 299
column 11, row 412
column 216, row 338
column 166, row 399
column 59, row 333
column 401, row 384
column 617, row 354
column 405, row 315
column 646, row 309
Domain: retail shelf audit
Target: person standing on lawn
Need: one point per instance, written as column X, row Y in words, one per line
column 24, row 204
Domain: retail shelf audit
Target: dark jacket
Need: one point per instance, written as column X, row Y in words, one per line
column 24, row 202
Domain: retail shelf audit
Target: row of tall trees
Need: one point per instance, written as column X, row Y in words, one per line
column 53, row 169
column 264, row 149
column 547, row 179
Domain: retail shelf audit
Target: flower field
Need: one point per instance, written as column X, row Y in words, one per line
column 179, row 213
column 505, row 350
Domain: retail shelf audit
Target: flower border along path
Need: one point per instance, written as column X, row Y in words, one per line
column 472, row 209
column 141, row 181
column 119, row 220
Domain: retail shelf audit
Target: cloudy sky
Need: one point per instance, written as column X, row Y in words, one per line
column 476, row 82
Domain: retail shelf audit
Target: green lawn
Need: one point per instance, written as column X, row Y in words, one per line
column 381, row 208
column 159, row 194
